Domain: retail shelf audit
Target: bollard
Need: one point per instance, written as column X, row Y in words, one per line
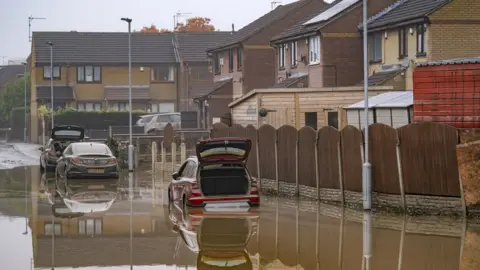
column 163, row 157
column 154, row 156
column 174, row 156
column 183, row 153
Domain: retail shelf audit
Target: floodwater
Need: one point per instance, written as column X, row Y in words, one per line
column 130, row 226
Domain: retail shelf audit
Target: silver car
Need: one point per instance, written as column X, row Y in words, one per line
column 159, row 122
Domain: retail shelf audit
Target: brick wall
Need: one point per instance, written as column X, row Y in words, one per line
column 259, row 69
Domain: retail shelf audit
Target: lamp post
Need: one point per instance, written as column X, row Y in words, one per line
column 51, row 81
column 130, row 146
column 25, row 102
column 367, row 167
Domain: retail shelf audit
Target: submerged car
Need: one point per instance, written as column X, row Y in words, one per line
column 60, row 138
column 217, row 177
column 87, row 160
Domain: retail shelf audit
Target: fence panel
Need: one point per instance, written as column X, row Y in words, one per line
column 287, row 238
column 328, row 139
column 219, row 130
column 237, row 131
column 383, row 157
column 287, row 137
column 306, row 157
column 267, row 242
column 266, row 150
column 429, row 159
column 351, row 147
column 251, row 133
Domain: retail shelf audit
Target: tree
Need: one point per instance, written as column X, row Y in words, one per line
column 153, row 29
column 195, row 24
column 12, row 97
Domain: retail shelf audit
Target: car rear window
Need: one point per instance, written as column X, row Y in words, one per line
column 223, row 151
column 92, row 149
column 68, row 133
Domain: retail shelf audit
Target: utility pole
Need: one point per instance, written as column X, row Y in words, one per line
column 30, row 19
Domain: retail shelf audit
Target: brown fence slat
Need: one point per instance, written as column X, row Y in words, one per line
column 267, row 237
column 251, row 133
column 237, row 131
column 383, row 157
column 219, row 130
column 429, row 159
column 306, row 157
column 351, row 147
column 287, row 238
column 266, row 151
column 328, row 139
column 287, row 137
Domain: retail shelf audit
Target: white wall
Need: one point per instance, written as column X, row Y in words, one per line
column 395, row 117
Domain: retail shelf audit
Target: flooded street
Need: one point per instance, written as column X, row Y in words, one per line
column 97, row 226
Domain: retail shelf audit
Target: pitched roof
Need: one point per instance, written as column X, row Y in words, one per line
column 289, row 82
column 456, row 61
column 103, row 47
column 60, row 92
column 216, row 85
column 403, row 11
column 254, row 27
column 193, row 46
column 10, row 72
column 381, row 76
column 302, row 27
column 120, row 93
column 396, row 99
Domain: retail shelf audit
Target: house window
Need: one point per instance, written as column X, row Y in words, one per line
column 281, row 56
column 119, row 106
column 230, row 60
column 89, row 74
column 88, row 106
column 333, row 119
column 163, row 107
column 216, row 64
column 293, row 54
column 90, row 226
column 314, row 49
column 47, row 74
column 421, row 40
column 311, row 120
column 402, row 43
column 51, row 229
column 163, row 74
column 376, row 49
column 239, row 59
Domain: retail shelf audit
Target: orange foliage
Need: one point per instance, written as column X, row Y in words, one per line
column 195, row 24
column 153, row 29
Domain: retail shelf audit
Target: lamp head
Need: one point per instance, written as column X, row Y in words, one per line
column 128, row 20
column 50, row 43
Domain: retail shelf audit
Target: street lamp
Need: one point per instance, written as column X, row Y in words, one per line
column 51, row 80
column 367, row 167
column 130, row 146
column 25, row 102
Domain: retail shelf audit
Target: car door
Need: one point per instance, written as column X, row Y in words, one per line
column 177, row 183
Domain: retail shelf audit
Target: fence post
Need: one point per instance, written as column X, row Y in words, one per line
column 340, row 172
column 276, row 163
column 183, row 152
column 154, row 156
column 317, row 176
column 163, row 159
column 174, row 157
column 137, row 153
column 400, row 176
column 259, row 176
column 110, row 131
column 297, row 189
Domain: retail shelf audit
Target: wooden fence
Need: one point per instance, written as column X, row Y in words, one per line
column 418, row 158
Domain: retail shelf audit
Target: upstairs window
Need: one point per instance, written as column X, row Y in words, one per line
column 376, row 48
column 314, row 49
column 402, row 43
column 239, row 59
column 199, row 73
column 293, row 54
column 163, row 74
column 89, row 74
column 281, row 56
column 47, row 73
column 421, row 40
column 230, row 60
column 216, row 64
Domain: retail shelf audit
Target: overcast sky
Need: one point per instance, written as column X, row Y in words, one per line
column 104, row 15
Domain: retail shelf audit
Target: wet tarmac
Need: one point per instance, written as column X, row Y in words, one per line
column 99, row 225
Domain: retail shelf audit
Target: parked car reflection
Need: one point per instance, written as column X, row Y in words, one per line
column 219, row 239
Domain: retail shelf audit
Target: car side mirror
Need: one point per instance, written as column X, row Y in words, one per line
column 175, row 175
column 41, row 148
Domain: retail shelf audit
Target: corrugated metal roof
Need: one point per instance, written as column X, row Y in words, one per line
column 397, row 99
column 456, row 61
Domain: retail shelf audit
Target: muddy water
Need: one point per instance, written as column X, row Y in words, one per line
column 283, row 234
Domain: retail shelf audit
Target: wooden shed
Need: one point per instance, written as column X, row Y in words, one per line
column 298, row 107
column 392, row 108
column 448, row 92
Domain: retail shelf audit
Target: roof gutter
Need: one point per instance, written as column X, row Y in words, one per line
column 295, row 37
column 397, row 24
column 226, row 47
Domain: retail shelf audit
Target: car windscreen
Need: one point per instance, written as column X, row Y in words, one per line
column 91, row 149
column 70, row 133
column 175, row 118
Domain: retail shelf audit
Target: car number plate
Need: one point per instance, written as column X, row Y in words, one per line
column 96, row 186
column 95, row 170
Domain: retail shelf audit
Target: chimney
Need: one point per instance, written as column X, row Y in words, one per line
column 233, row 28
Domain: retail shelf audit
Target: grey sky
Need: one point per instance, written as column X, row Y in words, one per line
column 104, row 15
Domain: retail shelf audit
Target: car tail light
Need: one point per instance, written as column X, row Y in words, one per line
column 112, row 161
column 253, row 186
column 195, row 190
column 77, row 160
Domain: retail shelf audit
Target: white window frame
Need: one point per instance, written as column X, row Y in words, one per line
column 89, row 74
column 119, row 106
column 171, row 74
column 293, row 54
column 55, row 228
column 83, row 226
column 281, row 56
column 377, row 41
column 47, row 73
column 314, row 50
column 155, row 107
column 89, row 106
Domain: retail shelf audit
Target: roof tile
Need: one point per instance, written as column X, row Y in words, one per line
column 380, row 77
column 287, row 83
column 193, row 46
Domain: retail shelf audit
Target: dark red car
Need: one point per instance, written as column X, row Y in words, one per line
column 217, row 178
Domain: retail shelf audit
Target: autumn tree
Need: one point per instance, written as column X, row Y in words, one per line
column 195, row 24
column 153, row 29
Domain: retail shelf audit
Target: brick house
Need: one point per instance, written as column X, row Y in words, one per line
column 247, row 56
column 324, row 48
column 416, row 31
